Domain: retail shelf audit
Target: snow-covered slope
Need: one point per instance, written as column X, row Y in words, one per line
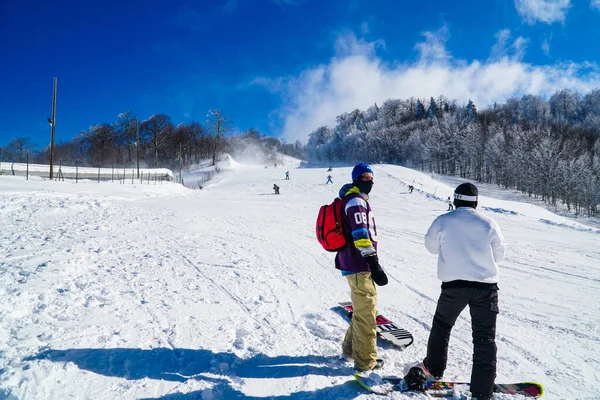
column 112, row 291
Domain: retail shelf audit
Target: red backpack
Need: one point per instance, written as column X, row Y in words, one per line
column 330, row 229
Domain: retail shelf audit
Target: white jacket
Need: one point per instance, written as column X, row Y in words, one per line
column 469, row 246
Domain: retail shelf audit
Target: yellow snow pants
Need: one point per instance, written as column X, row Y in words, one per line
column 360, row 341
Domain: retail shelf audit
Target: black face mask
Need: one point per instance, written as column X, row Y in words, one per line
column 364, row 186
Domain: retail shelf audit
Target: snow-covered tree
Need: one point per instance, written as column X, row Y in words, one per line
column 419, row 110
column 432, row 110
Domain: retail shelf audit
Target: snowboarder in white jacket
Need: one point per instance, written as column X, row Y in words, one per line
column 469, row 247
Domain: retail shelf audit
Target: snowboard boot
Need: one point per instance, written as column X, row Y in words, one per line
column 416, row 380
column 378, row 365
column 428, row 375
column 482, row 397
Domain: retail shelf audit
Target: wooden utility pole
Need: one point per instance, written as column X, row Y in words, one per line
column 137, row 144
column 53, row 123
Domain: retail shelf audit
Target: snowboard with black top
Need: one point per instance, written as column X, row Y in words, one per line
column 386, row 329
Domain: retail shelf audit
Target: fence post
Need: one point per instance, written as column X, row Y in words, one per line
column 132, row 171
column 112, row 176
column 155, row 178
column 180, row 162
column 60, row 175
column 149, row 177
column 27, row 165
column 98, row 174
column 76, row 171
column 142, row 177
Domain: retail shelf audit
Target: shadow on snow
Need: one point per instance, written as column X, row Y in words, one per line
column 347, row 390
column 183, row 364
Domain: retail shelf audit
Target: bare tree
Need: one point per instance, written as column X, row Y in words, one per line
column 156, row 129
column 125, row 128
column 18, row 147
column 101, row 140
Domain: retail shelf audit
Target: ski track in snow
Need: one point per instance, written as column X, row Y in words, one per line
column 115, row 291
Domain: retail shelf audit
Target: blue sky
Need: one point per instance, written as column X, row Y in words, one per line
column 284, row 67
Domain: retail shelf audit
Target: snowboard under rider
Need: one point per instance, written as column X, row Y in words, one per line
column 359, row 264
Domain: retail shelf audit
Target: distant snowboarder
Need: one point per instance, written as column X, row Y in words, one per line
column 276, row 188
column 329, row 180
column 329, row 170
column 450, row 206
column 287, row 175
column 411, row 188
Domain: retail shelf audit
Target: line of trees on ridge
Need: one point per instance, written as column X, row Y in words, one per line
column 160, row 143
column 547, row 149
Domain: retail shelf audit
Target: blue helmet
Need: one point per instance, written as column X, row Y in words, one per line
column 360, row 169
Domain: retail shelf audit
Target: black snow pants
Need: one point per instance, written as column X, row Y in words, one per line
column 482, row 300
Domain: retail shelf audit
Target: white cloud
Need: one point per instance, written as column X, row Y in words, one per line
column 347, row 44
column 519, row 47
column 595, row 4
column 547, row 11
column 546, row 47
column 502, row 48
column 433, row 49
column 356, row 78
column 499, row 48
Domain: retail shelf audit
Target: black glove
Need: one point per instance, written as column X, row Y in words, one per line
column 377, row 273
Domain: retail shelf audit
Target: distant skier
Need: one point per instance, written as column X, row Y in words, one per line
column 287, row 175
column 411, row 188
column 276, row 188
column 329, row 170
column 329, row 180
column 469, row 247
column 359, row 264
column 450, row 206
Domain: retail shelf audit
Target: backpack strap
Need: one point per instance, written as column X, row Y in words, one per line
column 346, row 227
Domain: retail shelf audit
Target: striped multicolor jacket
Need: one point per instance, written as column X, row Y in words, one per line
column 360, row 223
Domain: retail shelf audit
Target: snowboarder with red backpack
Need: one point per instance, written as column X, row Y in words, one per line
column 359, row 264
